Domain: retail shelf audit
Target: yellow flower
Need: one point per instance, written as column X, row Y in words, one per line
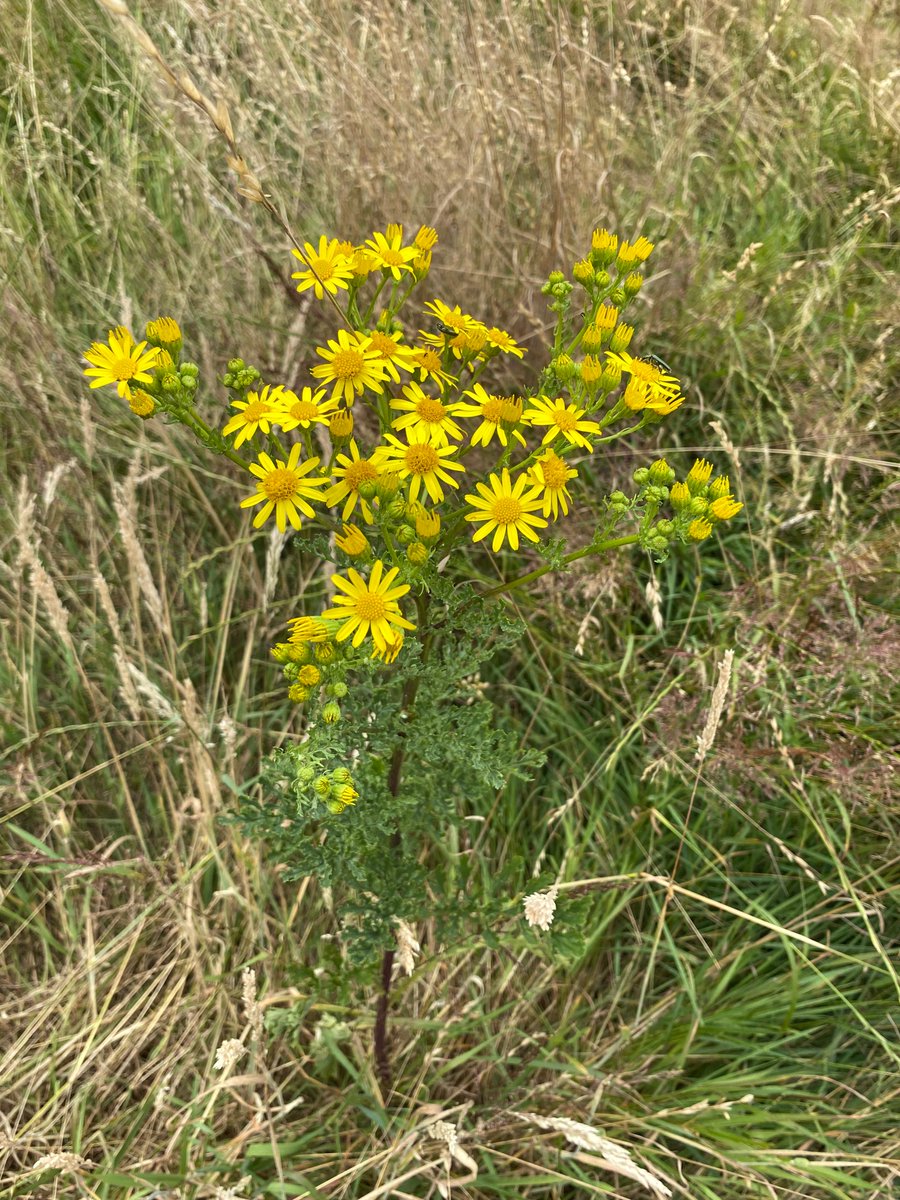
column 425, row 412
column 679, row 496
column 642, row 249
column 428, row 524
column 284, row 489
column 627, row 257
column 141, row 404
column 259, row 411
column 164, row 331
column 724, row 508
column 507, row 509
column 698, row 476
column 308, row 629
column 426, row 238
column 340, row 425
column 552, row 474
column 391, row 648
column 720, row 486
column 497, row 414
column 369, row 607
column 350, row 365
column 327, row 269
column 353, row 541
column 390, row 254
column 303, row 410
column 352, row 471
column 604, row 244
column 391, row 354
column 420, row 462
column 453, row 317
column 309, row 675
column 121, row 362
column 699, row 530
column 660, row 383
column 561, row 418
column 428, row 364
column 606, row 318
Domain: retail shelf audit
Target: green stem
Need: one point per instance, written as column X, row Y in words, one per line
column 593, row 548
column 207, row 436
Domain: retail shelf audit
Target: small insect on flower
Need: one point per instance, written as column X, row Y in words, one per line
column 655, row 361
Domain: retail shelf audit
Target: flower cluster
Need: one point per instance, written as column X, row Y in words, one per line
column 450, row 457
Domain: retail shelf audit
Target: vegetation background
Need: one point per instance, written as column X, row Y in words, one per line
column 740, row 1043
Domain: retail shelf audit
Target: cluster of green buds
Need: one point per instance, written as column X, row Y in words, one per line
column 333, row 788
column 174, row 383
column 314, row 664
column 240, row 377
column 698, row 503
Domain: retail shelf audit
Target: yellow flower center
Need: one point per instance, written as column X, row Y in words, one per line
column 386, row 346
column 420, row 459
column 506, row 510
column 511, row 410
column 255, row 411
column 554, row 472
column 123, row 368
column 358, row 473
column 644, row 371
column 371, row 607
column 392, row 258
column 304, row 410
column 492, row 410
column 564, row 420
column 431, row 410
column 323, row 267
column 280, row 484
column 348, row 364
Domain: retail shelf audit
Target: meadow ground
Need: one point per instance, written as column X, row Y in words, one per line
column 737, row 1035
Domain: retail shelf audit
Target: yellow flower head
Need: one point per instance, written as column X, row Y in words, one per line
column 423, row 412
column 428, row 524
column 389, row 252
column 421, row 462
column 284, row 489
column 606, row 318
column 391, row 354
column 699, row 530
column 392, row 647
column 141, row 404
column 724, row 508
column 621, row 338
column 720, row 486
column 498, row 339
column 352, row 471
column 426, row 238
column 604, row 245
column 498, row 414
column 353, row 541
column 552, row 474
column 626, row 258
column 428, row 364
column 506, row 509
column 304, row 410
column 659, row 382
column 642, row 249
column 561, row 418
column 259, row 411
column 327, row 269
column 164, row 331
column 698, row 476
column 369, row 606
column 121, row 362
column 591, row 372
column 309, row 675
column 351, row 365
column 679, row 496
column 308, row 629
column 340, row 425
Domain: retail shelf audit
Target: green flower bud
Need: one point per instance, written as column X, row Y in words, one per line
column 171, row 384
column 338, row 689
column 661, row 472
column 367, row 489
column 331, row 713
column 396, row 510
column 564, row 368
column 665, row 528
column 602, row 279
column 190, row 383
column 341, row 775
column 618, row 498
column 632, row 284
column 306, row 774
column 228, row 381
column 189, row 368
column 235, row 365
column 641, row 476
column 322, row 786
column 417, row 554
column 406, row 535
column 619, row 297
column 698, row 506
column 658, row 543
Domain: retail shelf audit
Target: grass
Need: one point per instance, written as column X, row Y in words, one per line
column 137, row 608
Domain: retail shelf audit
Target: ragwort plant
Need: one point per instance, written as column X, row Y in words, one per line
column 398, row 463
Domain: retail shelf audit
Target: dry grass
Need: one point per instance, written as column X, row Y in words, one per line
column 136, row 609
